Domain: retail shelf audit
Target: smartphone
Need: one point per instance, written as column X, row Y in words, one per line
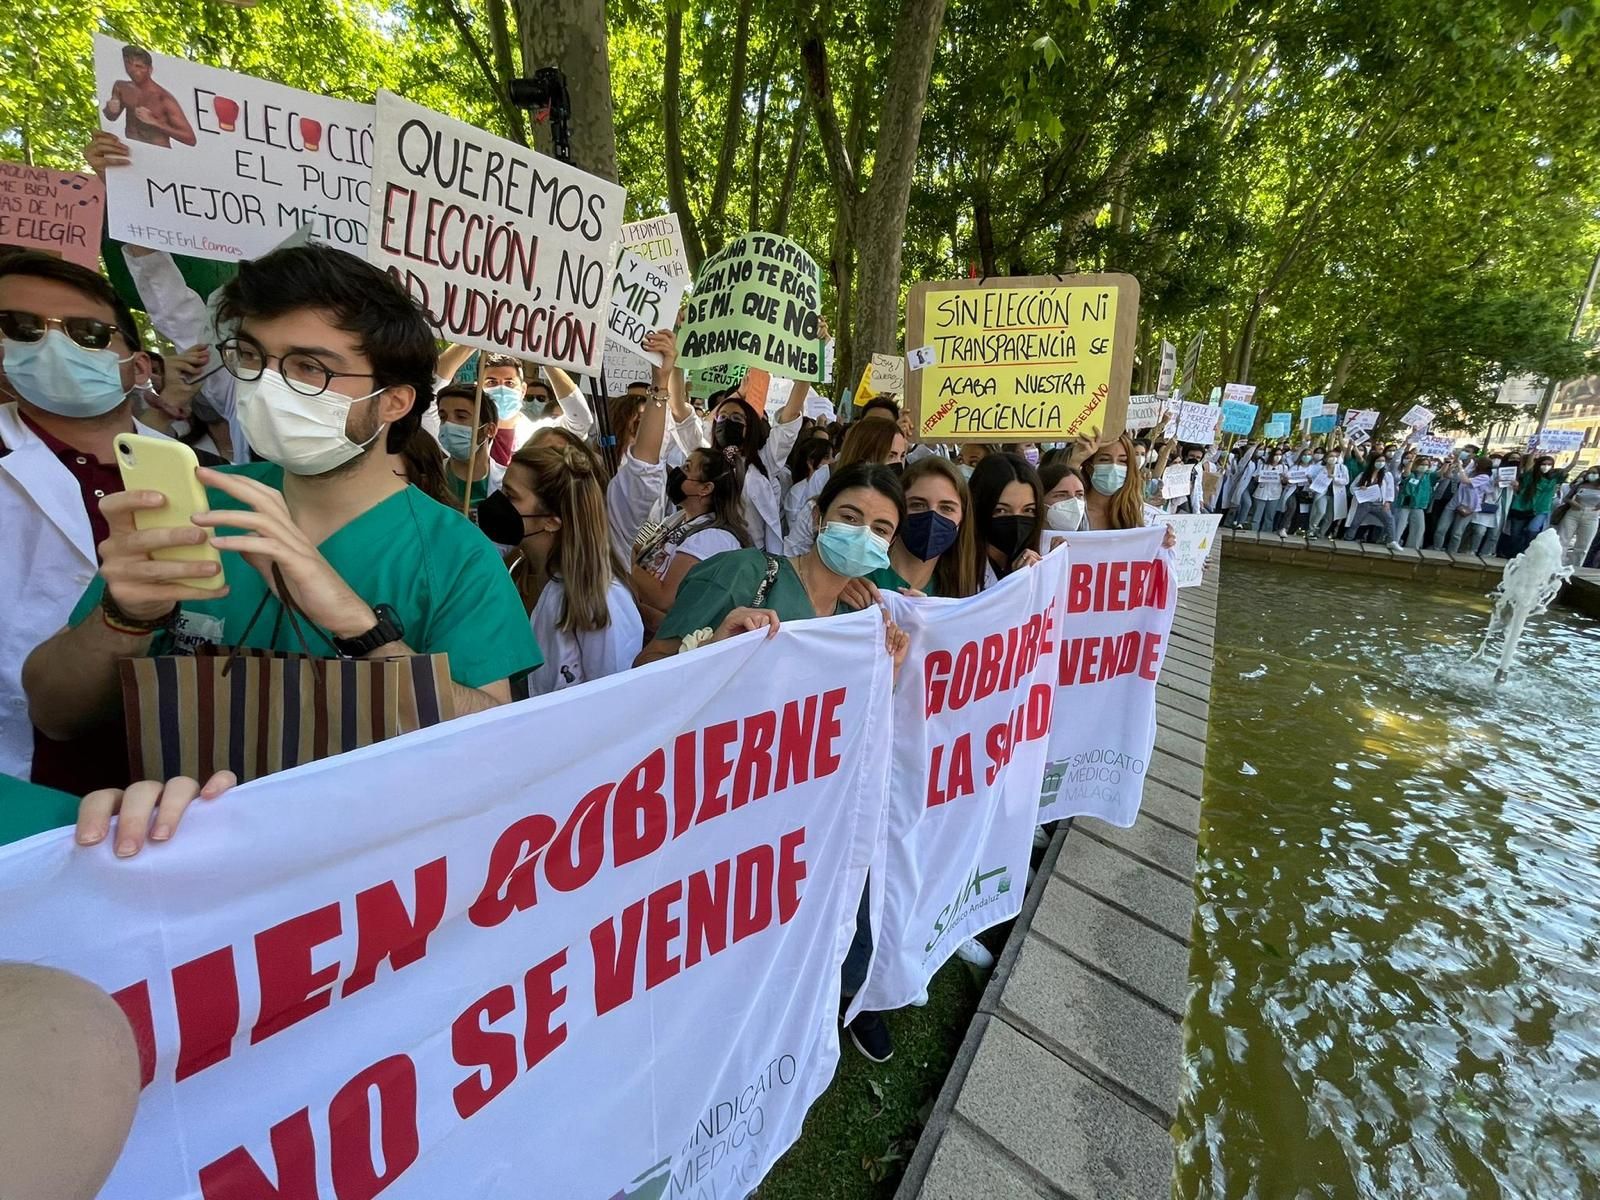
column 154, row 464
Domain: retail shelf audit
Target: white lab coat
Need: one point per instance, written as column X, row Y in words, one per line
column 574, row 658
column 49, row 563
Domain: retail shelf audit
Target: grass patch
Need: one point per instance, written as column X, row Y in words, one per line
column 860, row 1134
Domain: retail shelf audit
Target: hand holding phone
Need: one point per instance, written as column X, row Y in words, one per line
column 156, row 555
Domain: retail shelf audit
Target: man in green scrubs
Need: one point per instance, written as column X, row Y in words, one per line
column 334, row 363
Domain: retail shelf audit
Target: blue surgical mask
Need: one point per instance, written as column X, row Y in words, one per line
column 966, row 471
column 851, row 550
column 507, row 401
column 62, row 377
column 456, row 440
column 928, row 534
column 1108, row 478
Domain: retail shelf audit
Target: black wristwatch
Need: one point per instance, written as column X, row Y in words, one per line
column 388, row 629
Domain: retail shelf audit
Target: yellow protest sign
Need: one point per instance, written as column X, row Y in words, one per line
column 1020, row 359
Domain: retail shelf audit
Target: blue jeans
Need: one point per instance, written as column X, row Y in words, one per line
column 1521, row 528
column 859, row 956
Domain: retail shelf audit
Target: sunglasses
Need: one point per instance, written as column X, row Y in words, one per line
column 31, row 327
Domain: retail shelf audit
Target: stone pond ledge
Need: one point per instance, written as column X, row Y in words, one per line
column 1066, row 1086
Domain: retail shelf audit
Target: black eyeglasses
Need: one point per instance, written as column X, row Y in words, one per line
column 87, row 332
column 304, row 373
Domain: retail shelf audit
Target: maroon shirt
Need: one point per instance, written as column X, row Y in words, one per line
column 96, row 479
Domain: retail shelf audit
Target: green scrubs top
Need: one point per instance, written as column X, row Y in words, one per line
column 480, row 489
column 27, row 809
column 441, row 576
column 714, row 588
column 889, row 580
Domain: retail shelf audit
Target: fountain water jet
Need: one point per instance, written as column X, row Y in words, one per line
column 1530, row 583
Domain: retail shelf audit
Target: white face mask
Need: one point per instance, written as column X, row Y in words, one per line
column 302, row 434
column 1065, row 515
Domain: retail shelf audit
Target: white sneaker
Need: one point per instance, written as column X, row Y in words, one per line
column 921, row 999
column 975, row 954
column 1041, row 839
column 1396, row 546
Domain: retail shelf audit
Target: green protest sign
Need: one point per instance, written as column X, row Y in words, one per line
column 755, row 305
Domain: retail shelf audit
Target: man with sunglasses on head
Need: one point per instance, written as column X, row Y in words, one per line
column 334, row 363
column 70, row 361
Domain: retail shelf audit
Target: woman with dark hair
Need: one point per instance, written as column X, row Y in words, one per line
column 869, row 441
column 1064, row 503
column 860, row 511
column 421, row 464
column 708, row 490
column 1373, row 493
column 809, row 466
column 737, row 426
column 1008, row 505
column 936, row 552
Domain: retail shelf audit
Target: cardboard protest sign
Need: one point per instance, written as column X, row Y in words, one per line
column 226, row 166
column 1120, row 605
column 1505, row 476
column 509, row 250
column 659, row 241
column 1418, row 417
column 1196, row 535
column 1358, row 437
column 755, row 305
column 1144, row 411
column 1169, row 368
column 1557, row 441
column 1361, row 418
column 1435, row 447
column 1177, row 481
column 1238, row 416
column 968, row 756
column 59, row 212
column 643, row 300
column 1022, row 359
column 887, row 375
column 1241, row 393
column 1310, row 406
column 1197, row 423
column 559, row 975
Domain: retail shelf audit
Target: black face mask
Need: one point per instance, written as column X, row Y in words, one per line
column 1009, row 534
column 675, row 478
column 898, row 468
column 499, row 520
column 728, row 434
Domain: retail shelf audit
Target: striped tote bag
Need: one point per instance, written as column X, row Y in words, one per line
column 254, row 712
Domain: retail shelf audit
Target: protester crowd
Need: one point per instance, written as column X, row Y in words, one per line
column 1472, row 500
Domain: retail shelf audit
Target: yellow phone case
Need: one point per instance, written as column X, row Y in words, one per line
column 152, row 464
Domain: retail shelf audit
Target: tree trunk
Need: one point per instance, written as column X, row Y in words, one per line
column 791, row 169
column 672, row 130
column 713, row 227
column 571, row 35
column 753, row 220
column 983, row 224
column 1341, row 372
column 500, row 51
column 880, row 231
column 1247, row 340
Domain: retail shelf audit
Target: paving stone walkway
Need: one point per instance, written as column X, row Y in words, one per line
column 1067, row 1083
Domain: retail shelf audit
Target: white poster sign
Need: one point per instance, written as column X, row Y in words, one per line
column 1191, row 361
column 1418, row 417
column 1144, row 411
column 1310, row 406
column 226, row 166
column 1329, row 410
column 1197, row 423
column 972, row 719
column 1360, row 418
column 1120, row 604
column 587, row 945
column 509, row 250
column 1241, row 392
column 886, row 376
column 1196, row 535
column 1169, row 368
column 1177, row 481
column 1436, row 447
column 643, row 300
column 659, row 241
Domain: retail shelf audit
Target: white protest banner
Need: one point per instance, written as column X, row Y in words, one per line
column 1435, row 447
column 972, row 718
column 1144, row 411
column 659, row 241
column 59, row 212
column 886, row 375
column 1240, row 392
column 1197, row 423
column 1298, row 475
column 1120, row 603
column 509, row 250
column 226, row 166
column 1177, row 481
column 1196, row 535
column 1360, row 418
column 556, row 947
column 1310, row 406
column 754, row 304
column 1169, row 368
column 643, row 300
column 1418, row 417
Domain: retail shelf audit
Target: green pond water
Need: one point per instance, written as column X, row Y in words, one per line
column 1397, row 959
